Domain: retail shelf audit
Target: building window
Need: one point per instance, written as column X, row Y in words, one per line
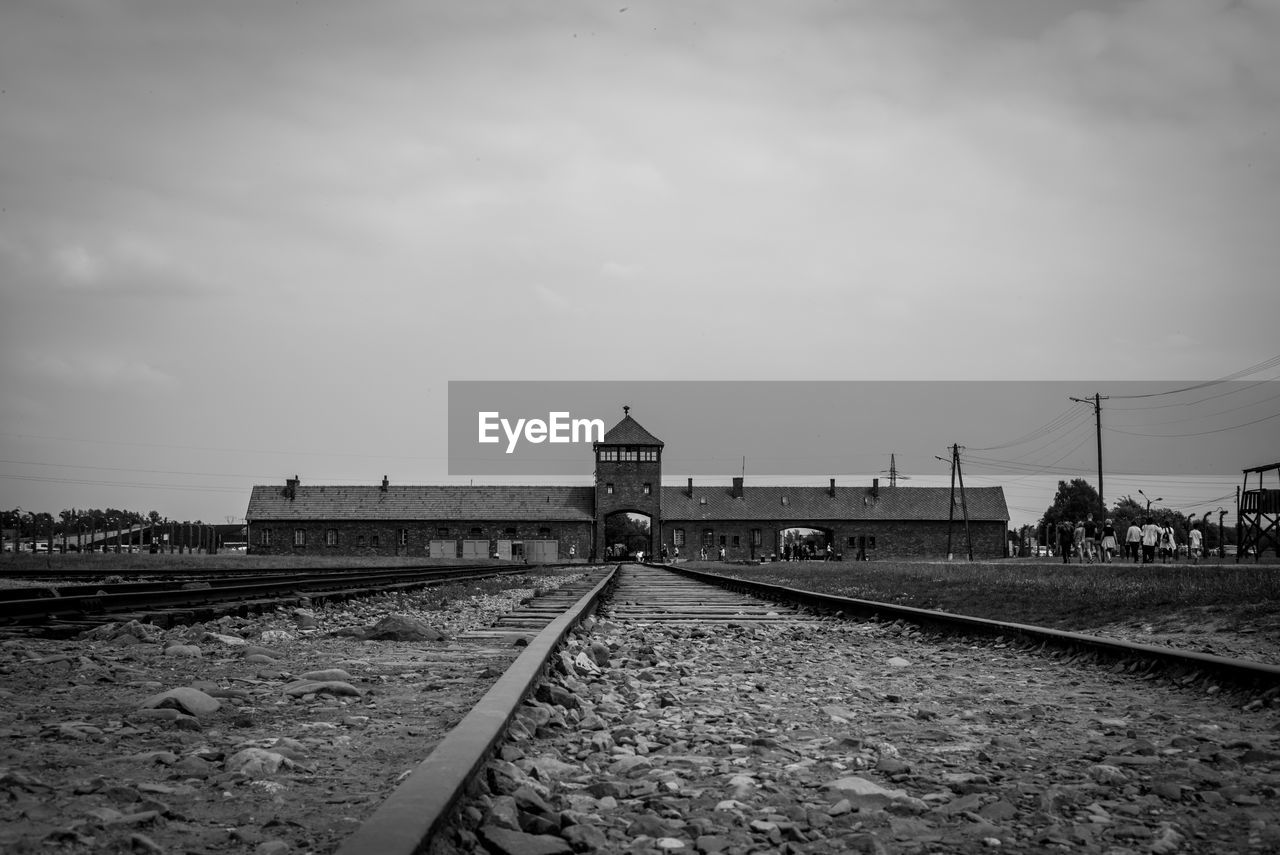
column 373, row 540
column 629, row 454
column 722, row 540
column 266, row 537
column 476, row 531
column 609, row 455
column 755, row 537
column 649, row 455
column 330, row 537
column 708, row 537
column 648, row 488
column 735, row 540
column 442, row 532
column 402, row 536
column 871, row 542
column 853, row 541
column 299, row 537
column 608, row 489
column 677, row 537
column 509, row 532
column 544, row 532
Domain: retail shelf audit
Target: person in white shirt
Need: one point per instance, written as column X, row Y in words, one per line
column 1195, row 539
column 1133, row 541
column 1150, row 540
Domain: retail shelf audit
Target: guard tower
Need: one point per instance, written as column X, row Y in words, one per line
column 1258, row 516
column 628, row 481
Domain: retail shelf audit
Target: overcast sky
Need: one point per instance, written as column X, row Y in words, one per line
column 244, row 240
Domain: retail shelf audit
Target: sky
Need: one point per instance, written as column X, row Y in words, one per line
column 241, row 241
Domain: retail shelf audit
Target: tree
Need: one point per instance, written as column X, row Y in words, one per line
column 1072, row 503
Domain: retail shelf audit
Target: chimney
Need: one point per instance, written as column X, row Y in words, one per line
column 737, row 487
column 290, row 487
column 690, row 488
column 833, row 488
column 385, row 483
column 875, row 488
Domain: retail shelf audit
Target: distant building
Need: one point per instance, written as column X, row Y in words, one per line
column 626, row 510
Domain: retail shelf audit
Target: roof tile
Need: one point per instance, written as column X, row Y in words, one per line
column 817, row 503
column 364, row 502
column 629, row 432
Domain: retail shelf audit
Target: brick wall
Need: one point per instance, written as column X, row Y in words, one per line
column 357, row 538
column 895, row 539
column 628, row 478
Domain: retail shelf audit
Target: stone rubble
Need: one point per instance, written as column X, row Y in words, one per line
column 267, row 734
column 827, row 737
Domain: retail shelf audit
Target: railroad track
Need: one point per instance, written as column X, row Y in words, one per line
column 654, row 617
column 173, row 601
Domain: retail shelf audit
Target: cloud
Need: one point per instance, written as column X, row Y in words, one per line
column 618, row 270
column 100, row 373
column 553, row 299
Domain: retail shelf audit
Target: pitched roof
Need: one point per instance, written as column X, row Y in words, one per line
column 816, row 503
column 629, row 432
column 577, row 504
column 371, row 502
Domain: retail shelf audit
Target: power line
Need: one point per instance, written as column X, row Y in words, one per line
column 291, row 452
column 195, row 488
column 1208, row 415
column 135, row 469
column 1236, row 391
column 1198, row 433
column 1049, row 427
column 1244, row 372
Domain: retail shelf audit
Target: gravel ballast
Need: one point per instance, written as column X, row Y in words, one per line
column 270, row 734
column 830, row 737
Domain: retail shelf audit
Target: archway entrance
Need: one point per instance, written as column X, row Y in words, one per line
column 627, row 534
column 802, row 543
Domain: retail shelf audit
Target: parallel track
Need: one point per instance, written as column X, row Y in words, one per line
column 421, row 807
column 41, row 605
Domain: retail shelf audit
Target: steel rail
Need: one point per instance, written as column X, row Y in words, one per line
column 240, row 592
column 415, row 811
column 41, row 574
column 35, row 592
column 1242, row 671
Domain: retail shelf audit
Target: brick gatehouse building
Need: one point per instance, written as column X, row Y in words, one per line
column 554, row 523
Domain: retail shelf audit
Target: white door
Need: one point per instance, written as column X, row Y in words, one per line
column 542, row 551
column 475, row 549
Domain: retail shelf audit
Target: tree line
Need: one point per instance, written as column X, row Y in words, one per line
column 1076, row 499
column 72, row 520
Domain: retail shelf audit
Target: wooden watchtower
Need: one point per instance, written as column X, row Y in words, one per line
column 1259, row 515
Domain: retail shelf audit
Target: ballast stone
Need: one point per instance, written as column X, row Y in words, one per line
column 863, row 793
column 400, row 627
column 505, row 841
column 185, row 699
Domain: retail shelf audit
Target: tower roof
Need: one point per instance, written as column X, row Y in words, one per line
column 629, row 432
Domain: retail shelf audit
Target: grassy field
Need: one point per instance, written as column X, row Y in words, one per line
column 1071, row 596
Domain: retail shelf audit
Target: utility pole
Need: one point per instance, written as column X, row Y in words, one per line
column 964, row 506
column 1097, row 416
column 951, row 506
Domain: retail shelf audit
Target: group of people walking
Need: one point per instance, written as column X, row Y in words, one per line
column 1088, row 542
